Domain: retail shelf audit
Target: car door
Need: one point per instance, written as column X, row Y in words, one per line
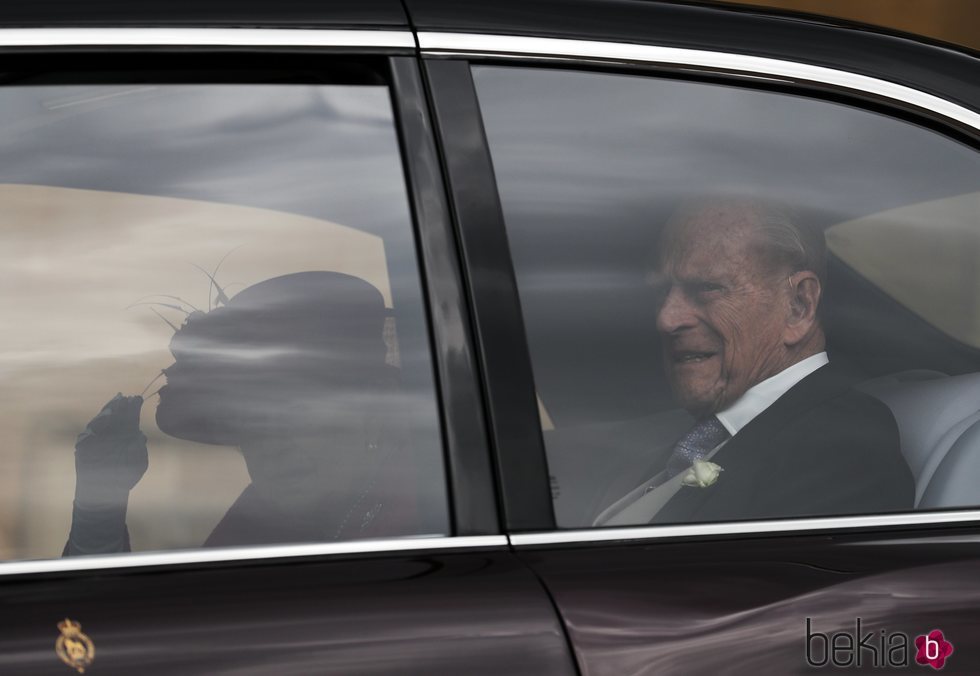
column 244, row 215
column 592, row 146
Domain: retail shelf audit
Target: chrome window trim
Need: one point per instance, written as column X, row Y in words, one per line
column 245, row 554
column 432, row 43
column 781, row 526
column 203, row 37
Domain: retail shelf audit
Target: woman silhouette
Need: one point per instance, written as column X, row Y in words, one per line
column 292, row 371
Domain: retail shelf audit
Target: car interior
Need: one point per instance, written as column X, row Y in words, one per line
column 929, row 378
column 897, row 203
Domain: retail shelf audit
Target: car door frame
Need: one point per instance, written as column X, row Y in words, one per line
column 472, row 564
column 571, row 562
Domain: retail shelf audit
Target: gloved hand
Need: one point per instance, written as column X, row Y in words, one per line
column 110, row 455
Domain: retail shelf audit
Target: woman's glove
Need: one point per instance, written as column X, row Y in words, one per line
column 110, row 455
column 110, row 458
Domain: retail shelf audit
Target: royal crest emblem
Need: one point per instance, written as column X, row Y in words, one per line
column 73, row 647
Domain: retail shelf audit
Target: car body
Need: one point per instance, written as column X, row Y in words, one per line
column 507, row 588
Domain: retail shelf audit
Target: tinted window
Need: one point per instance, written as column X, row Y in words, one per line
column 690, row 255
column 210, row 297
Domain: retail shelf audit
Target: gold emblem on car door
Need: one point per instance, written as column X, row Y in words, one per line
column 73, row 647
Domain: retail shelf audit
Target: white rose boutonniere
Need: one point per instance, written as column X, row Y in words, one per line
column 702, row 474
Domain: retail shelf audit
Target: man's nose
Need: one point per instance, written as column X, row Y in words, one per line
column 676, row 313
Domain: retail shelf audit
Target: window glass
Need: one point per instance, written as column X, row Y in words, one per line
column 888, row 248
column 213, row 325
column 740, row 304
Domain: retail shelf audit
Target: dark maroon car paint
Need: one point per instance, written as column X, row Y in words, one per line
column 734, row 604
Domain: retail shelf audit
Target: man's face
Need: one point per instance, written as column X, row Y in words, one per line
column 723, row 310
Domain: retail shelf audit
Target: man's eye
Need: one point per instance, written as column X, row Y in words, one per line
column 702, row 288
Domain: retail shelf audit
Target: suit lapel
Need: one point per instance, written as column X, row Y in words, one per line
column 625, row 478
column 750, row 449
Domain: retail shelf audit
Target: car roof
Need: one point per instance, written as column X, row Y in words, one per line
column 935, row 68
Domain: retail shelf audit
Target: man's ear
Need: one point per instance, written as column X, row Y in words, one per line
column 804, row 297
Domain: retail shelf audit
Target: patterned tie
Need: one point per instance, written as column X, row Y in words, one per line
column 697, row 443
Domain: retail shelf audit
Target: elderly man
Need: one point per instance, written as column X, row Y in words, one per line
column 779, row 431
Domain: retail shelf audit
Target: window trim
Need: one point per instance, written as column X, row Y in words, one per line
column 204, row 37
column 246, row 554
column 501, row 343
column 467, row 453
column 788, row 526
column 781, row 70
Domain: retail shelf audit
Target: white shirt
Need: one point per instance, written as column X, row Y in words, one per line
column 641, row 504
column 761, row 396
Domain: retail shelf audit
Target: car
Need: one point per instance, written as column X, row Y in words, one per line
column 329, row 335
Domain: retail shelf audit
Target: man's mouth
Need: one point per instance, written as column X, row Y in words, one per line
column 690, row 356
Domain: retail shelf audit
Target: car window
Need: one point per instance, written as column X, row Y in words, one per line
column 888, row 248
column 214, row 331
column 739, row 303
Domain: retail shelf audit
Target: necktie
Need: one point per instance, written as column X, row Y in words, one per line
column 697, row 443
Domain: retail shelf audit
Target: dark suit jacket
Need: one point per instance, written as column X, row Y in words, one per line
column 822, row 448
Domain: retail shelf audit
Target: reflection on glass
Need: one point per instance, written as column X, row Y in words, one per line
column 118, row 210
column 291, row 371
